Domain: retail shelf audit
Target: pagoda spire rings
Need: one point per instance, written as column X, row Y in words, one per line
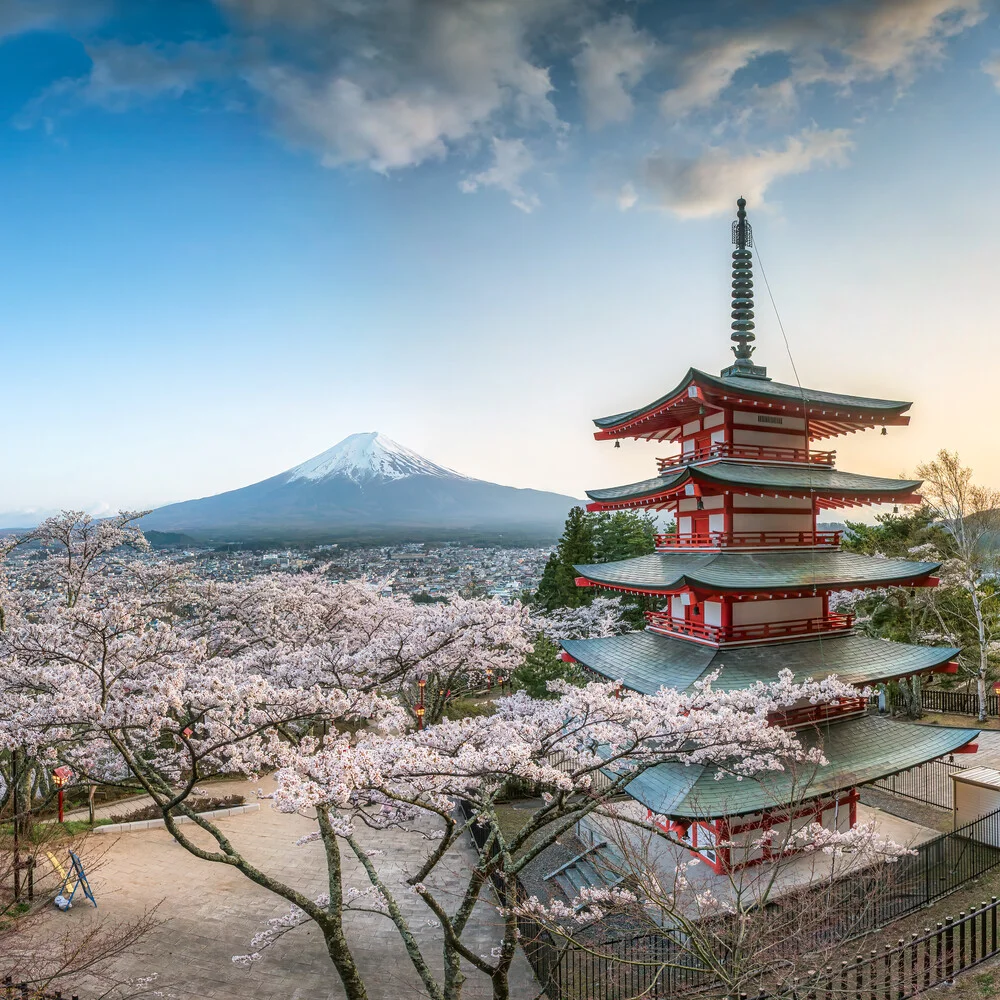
column 742, row 304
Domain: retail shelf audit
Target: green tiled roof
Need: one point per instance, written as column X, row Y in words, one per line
column 761, row 389
column 646, row 661
column 754, row 571
column 738, row 474
column 858, row 751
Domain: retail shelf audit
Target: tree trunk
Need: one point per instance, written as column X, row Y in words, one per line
column 977, row 609
column 501, row 984
column 343, row 960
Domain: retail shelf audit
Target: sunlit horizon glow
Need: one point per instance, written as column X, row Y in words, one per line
column 236, row 232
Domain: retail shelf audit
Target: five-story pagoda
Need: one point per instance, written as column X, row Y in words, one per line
column 745, row 582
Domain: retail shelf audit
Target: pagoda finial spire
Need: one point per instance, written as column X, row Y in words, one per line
column 742, row 314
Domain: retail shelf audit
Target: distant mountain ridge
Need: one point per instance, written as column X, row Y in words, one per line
column 367, row 486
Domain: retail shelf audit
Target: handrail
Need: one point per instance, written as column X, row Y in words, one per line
column 792, row 718
column 662, row 622
column 759, row 452
column 746, row 539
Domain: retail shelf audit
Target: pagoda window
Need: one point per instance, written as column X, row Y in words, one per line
column 706, row 841
column 713, row 613
column 677, row 607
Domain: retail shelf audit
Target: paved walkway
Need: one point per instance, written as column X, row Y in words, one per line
column 211, row 912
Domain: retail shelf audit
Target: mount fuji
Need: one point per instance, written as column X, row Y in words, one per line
column 367, row 487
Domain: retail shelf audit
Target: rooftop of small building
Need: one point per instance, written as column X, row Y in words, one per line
column 752, row 572
column 646, row 661
column 857, row 751
column 755, row 387
column 743, row 475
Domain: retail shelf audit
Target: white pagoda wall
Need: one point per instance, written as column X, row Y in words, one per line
column 772, row 514
column 778, row 610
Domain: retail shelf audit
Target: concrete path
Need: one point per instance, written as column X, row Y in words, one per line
column 210, row 912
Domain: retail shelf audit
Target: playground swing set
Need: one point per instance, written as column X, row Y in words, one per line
column 72, row 879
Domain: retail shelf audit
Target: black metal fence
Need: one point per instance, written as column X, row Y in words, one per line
column 22, row 991
column 931, row 783
column 909, row 967
column 956, row 702
column 938, row 867
column 657, row 966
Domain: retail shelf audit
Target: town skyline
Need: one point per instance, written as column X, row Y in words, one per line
column 528, row 238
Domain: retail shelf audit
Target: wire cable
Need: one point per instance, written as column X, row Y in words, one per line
column 805, row 416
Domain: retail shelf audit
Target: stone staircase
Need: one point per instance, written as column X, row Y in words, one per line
column 597, row 867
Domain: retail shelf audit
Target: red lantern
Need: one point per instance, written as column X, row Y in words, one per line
column 59, row 778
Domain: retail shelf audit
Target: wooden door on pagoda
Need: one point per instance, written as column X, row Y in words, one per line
column 699, row 524
column 701, row 445
column 694, row 617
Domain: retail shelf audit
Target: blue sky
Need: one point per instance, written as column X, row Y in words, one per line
column 234, row 231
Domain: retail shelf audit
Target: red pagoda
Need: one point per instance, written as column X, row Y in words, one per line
column 745, row 582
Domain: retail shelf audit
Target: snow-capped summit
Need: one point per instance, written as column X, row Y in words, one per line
column 362, row 457
column 368, row 487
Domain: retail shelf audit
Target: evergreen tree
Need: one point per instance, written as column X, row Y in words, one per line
column 895, row 535
column 558, row 588
column 547, row 594
column 542, row 665
column 596, row 538
column 623, row 534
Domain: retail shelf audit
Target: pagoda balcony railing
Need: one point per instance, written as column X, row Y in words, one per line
column 716, row 635
column 808, row 715
column 751, row 452
column 747, row 540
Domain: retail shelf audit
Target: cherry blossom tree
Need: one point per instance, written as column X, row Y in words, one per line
column 352, row 636
column 144, row 680
column 584, row 748
column 603, row 616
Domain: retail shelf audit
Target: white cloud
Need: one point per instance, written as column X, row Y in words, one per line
column 511, row 161
column 842, row 45
column 627, row 196
column 705, row 186
column 992, row 68
column 614, row 58
column 122, row 76
column 17, row 16
column 392, row 83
